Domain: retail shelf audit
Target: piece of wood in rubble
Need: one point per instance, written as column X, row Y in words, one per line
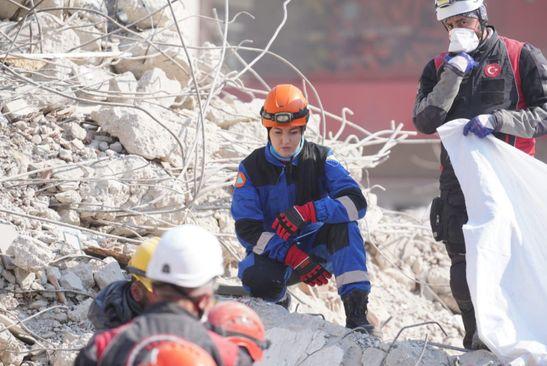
column 25, row 64
column 101, row 253
column 59, row 295
column 16, row 330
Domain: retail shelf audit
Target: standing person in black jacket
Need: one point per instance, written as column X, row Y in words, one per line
column 183, row 269
column 499, row 84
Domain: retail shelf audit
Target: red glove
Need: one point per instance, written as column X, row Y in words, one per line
column 289, row 222
column 308, row 270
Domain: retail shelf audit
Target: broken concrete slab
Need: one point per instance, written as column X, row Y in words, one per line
column 139, row 49
column 439, row 278
column 305, row 339
column 8, row 234
column 55, row 37
column 77, row 338
column 138, row 132
column 68, row 197
column 132, row 10
column 7, row 263
column 30, row 254
column 85, row 272
column 8, row 276
column 8, row 301
column 70, row 176
column 158, row 88
column 18, row 8
column 477, row 358
column 301, row 353
column 79, row 312
column 24, row 279
column 69, row 280
column 124, row 86
column 19, row 108
column 407, row 353
column 11, row 350
column 51, row 72
column 31, row 99
column 93, row 83
column 88, row 34
column 97, row 6
column 74, row 130
column 108, row 272
column 69, row 216
column 71, row 243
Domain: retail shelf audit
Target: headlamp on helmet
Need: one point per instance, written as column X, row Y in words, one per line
column 284, row 117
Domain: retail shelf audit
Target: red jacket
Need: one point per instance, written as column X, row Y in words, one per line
column 161, row 322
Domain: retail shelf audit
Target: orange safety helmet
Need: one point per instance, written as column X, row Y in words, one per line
column 285, row 106
column 240, row 325
column 178, row 353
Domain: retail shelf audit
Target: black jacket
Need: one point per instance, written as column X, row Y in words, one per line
column 445, row 94
column 113, row 306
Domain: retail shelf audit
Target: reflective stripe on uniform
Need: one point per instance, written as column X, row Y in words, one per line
column 262, row 242
column 351, row 277
column 351, row 210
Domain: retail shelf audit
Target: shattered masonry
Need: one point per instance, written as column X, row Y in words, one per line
column 113, row 127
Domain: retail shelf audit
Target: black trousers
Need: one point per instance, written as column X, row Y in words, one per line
column 453, row 215
column 460, row 291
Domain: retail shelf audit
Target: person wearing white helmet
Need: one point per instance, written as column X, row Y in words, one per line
column 500, row 85
column 183, row 269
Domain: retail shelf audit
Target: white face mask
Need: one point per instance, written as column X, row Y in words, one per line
column 463, row 40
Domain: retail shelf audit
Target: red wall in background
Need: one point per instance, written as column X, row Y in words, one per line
column 374, row 103
column 366, row 55
column 385, row 92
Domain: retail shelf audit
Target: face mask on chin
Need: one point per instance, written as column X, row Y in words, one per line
column 462, row 40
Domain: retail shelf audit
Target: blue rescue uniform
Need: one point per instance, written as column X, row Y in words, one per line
column 266, row 186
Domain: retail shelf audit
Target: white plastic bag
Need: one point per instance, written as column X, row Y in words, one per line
column 506, row 241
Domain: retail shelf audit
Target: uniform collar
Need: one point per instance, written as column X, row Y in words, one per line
column 486, row 45
column 275, row 161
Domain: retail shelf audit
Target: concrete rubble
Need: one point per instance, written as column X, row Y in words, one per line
column 145, row 55
column 155, row 83
column 106, row 150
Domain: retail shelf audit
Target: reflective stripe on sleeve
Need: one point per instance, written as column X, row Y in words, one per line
column 351, row 210
column 351, row 277
column 262, row 241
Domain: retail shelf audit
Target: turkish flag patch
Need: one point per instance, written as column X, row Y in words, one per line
column 241, row 179
column 492, row 70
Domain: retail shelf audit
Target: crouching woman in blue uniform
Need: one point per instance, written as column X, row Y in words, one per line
column 296, row 209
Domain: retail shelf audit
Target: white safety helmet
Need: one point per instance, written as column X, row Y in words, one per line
column 186, row 256
column 449, row 8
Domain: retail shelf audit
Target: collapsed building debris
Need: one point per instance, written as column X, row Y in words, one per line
column 114, row 128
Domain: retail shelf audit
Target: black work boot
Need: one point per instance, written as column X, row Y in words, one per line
column 469, row 322
column 355, row 305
